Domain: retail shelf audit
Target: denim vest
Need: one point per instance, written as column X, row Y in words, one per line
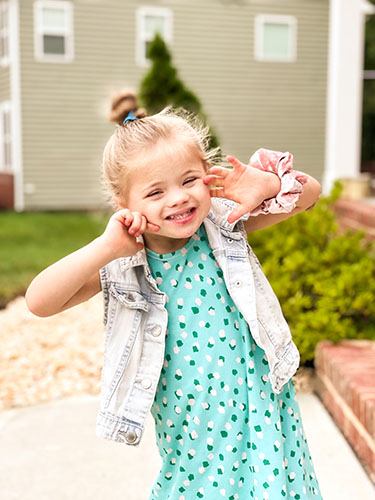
column 136, row 322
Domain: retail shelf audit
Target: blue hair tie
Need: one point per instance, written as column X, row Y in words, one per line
column 130, row 117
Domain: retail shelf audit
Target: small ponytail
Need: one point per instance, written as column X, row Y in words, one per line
column 122, row 104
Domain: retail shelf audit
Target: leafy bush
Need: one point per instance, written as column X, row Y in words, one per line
column 325, row 281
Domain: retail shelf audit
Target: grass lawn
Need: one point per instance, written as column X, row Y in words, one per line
column 29, row 242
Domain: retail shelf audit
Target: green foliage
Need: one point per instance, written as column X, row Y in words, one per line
column 29, row 242
column 161, row 86
column 325, row 281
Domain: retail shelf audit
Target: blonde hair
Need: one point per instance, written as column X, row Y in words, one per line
column 127, row 144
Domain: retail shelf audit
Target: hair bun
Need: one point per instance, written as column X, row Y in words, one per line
column 122, row 103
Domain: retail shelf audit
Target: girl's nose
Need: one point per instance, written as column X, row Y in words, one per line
column 177, row 197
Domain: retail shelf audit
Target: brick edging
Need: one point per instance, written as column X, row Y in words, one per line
column 356, row 215
column 345, row 385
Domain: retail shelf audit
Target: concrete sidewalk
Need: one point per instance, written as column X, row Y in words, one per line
column 50, row 452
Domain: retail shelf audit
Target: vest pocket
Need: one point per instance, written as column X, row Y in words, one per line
column 129, row 298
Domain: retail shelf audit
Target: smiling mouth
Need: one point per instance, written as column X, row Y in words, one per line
column 181, row 216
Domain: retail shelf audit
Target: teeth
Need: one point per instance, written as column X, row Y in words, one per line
column 181, row 216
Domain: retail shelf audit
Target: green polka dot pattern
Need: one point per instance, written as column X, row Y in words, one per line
column 221, row 430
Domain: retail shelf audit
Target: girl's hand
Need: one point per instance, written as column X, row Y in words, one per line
column 122, row 230
column 247, row 186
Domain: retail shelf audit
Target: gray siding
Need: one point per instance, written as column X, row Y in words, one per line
column 259, row 104
column 251, row 104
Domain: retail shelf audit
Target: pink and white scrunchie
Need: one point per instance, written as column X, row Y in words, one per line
column 292, row 181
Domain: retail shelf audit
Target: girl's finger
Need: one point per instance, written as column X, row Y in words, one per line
column 217, row 193
column 152, row 227
column 221, row 171
column 142, row 228
column 210, row 179
column 238, row 212
column 236, row 163
column 216, row 181
column 127, row 217
column 136, row 224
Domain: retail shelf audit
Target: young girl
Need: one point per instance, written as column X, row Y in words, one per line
column 194, row 331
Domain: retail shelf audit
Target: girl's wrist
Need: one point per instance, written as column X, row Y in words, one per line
column 272, row 184
column 290, row 181
column 106, row 250
column 110, row 250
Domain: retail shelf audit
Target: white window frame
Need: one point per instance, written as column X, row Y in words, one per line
column 4, row 32
column 141, row 35
column 67, row 33
column 260, row 21
column 5, row 107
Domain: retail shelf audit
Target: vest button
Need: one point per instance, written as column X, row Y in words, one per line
column 146, row 383
column 131, row 437
column 156, row 331
column 238, row 283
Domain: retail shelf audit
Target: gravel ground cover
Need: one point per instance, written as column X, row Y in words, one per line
column 49, row 358
column 43, row 359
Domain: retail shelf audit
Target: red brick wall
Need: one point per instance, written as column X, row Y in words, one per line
column 6, row 191
column 346, row 384
column 356, row 215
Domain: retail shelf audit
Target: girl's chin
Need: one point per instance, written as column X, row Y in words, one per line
column 168, row 241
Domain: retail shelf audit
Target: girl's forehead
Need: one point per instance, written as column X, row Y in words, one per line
column 167, row 163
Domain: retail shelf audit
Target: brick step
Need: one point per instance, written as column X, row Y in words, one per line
column 357, row 215
column 345, row 382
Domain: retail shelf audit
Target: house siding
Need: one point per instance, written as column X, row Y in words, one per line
column 251, row 104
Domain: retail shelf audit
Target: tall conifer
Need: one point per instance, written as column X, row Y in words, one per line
column 161, row 86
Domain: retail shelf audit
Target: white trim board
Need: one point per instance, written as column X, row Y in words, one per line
column 15, row 97
column 344, row 90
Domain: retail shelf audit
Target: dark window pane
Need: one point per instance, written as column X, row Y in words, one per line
column 53, row 44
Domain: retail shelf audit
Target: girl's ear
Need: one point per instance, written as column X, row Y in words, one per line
column 119, row 202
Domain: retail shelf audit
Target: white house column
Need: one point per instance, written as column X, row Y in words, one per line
column 15, row 96
column 344, row 92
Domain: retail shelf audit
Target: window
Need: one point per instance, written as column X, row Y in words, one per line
column 5, row 137
column 4, row 34
column 275, row 38
column 151, row 20
column 53, row 24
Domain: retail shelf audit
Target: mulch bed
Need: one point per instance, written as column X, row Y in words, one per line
column 43, row 359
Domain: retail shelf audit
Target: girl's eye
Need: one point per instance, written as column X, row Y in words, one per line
column 191, row 179
column 153, row 193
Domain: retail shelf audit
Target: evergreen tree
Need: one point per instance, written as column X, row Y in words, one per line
column 161, row 86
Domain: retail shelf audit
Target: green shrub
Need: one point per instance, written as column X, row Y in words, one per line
column 161, row 86
column 325, row 281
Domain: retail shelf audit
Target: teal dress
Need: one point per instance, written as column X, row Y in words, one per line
column 221, row 430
